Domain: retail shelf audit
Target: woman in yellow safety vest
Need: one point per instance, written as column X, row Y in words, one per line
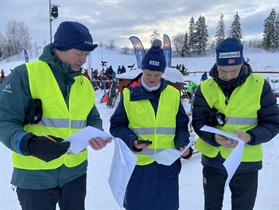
column 150, row 119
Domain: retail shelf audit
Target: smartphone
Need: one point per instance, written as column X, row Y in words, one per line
column 144, row 142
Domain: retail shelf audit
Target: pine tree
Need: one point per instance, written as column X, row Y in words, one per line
column 235, row 31
column 276, row 32
column 2, row 45
column 269, row 30
column 201, row 36
column 192, row 40
column 220, row 31
column 185, row 49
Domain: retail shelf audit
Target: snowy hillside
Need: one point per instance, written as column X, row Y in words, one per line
column 191, row 194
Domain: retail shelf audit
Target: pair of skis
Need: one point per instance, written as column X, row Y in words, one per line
column 140, row 51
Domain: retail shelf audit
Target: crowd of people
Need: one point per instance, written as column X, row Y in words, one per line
column 149, row 118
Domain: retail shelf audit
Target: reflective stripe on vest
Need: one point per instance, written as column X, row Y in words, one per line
column 62, row 123
column 58, row 119
column 159, row 128
column 241, row 111
column 239, row 121
column 148, row 151
column 142, row 131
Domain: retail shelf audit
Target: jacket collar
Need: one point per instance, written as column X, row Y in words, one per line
column 139, row 93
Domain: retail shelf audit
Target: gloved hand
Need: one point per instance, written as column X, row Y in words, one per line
column 214, row 118
column 190, row 153
column 44, row 148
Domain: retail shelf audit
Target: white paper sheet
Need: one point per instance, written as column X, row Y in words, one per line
column 80, row 140
column 166, row 157
column 233, row 161
column 122, row 167
column 169, row 156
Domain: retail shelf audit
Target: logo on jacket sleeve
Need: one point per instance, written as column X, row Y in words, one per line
column 7, row 88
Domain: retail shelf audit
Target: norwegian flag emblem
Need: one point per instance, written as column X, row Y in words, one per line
column 231, row 61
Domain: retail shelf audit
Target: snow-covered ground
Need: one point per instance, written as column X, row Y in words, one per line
column 99, row 196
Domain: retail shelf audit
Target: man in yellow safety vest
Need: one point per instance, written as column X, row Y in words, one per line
column 236, row 101
column 42, row 103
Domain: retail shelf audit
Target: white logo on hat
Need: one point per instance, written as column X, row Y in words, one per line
column 87, row 42
column 229, row 54
column 154, row 63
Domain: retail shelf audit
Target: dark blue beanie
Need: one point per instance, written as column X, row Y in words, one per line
column 73, row 35
column 154, row 59
column 229, row 52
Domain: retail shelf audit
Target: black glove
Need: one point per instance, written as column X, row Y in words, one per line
column 189, row 154
column 214, row 118
column 42, row 147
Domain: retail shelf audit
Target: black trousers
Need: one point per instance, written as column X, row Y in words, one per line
column 243, row 188
column 69, row 197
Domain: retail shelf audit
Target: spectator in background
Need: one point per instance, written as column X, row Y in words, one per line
column 204, row 76
column 123, row 69
column 110, row 73
column 2, row 75
column 119, row 70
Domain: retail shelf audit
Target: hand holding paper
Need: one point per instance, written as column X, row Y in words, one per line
column 233, row 161
column 226, row 142
column 99, row 143
column 243, row 136
column 81, row 139
column 169, row 156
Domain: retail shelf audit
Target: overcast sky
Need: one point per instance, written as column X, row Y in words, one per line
column 119, row 19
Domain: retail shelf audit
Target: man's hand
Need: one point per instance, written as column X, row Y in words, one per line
column 46, row 148
column 225, row 142
column 99, row 143
column 243, row 136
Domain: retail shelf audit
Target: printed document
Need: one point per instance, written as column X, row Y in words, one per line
column 169, row 156
column 233, row 161
column 80, row 140
column 122, row 167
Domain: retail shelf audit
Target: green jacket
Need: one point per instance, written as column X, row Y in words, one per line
column 14, row 98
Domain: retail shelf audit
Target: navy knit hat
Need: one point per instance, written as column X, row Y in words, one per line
column 229, row 52
column 73, row 35
column 154, row 59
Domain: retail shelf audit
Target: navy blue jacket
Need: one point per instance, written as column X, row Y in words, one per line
column 119, row 121
column 268, row 117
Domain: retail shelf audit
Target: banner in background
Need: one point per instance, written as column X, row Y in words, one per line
column 138, row 48
column 167, row 49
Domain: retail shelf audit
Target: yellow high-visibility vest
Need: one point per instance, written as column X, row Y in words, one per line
column 241, row 114
column 58, row 120
column 158, row 127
